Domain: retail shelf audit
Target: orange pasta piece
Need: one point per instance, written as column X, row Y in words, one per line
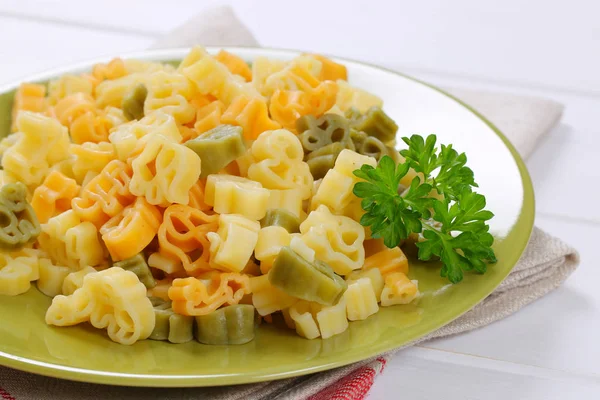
column 388, row 261
column 209, row 116
column 85, row 121
column 373, row 246
column 129, row 232
column 53, row 196
column 182, row 235
column 251, row 114
column 112, row 70
column 331, row 71
column 286, row 106
column 191, row 296
column 197, row 196
column 400, row 284
column 235, row 64
column 28, row 97
column 106, row 195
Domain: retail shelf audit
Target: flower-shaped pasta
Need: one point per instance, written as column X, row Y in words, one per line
column 28, row 97
column 212, row 77
column 294, row 76
column 53, row 196
column 70, row 242
column 90, row 158
column 42, row 143
column 349, row 96
column 163, row 171
column 17, row 270
column 182, row 235
column 232, row 246
column 114, row 69
column 113, row 299
column 129, row 232
column 125, row 137
column 251, row 114
column 170, row 93
column 236, row 65
column 336, row 240
column 191, row 296
column 20, row 225
column 106, row 195
column 208, row 116
column 67, row 85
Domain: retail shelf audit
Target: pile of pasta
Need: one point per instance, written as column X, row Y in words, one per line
column 172, row 202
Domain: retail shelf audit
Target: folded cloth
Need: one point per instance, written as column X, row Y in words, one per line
column 545, row 264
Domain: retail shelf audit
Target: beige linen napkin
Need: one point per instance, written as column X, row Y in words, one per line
column 546, row 263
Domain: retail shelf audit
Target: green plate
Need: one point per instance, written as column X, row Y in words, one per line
column 85, row 354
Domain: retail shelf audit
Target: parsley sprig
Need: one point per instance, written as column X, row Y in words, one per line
column 453, row 226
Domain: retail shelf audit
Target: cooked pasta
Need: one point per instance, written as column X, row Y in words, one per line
column 173, row 203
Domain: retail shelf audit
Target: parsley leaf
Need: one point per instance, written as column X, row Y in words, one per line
column 454, row 226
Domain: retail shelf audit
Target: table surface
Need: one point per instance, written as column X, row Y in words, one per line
column 550, row 349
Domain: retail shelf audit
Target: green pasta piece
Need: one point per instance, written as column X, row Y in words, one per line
column 374, row 147
column 376, row 123
column 133, row 102
column 319, row 166
column 138, row 265
column 228, row 325
column 308, row 281
column 316, row 133
column 18, row 223
column 218, row 147
column 353, row 113
column 169, row 326
column 358, row 137
column 283, row 218
column 331, row 149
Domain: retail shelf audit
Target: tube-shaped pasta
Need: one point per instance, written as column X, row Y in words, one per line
column 361, row 300
column 217, row 148
column 229, row 325
column 230, row 194
column 232, row 245
column 312, row 282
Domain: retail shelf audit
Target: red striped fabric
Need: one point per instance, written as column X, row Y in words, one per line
column 5, row 395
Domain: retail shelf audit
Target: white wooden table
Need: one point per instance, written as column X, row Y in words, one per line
column 550, row 349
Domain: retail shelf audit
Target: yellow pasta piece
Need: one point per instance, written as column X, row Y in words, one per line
column 232, row 245
column 212, row 77
column 398, row 289
column 278, row 163
column 208, row 116
column 15, row 275
column 361, row 300
column 114, row 299
column 251, row 114
column 114, row 69
column 125, row 137
column 71, row 242
column 295, row 76
column 262, row 68
column 268, row 299
column 163, row 171
column 236, row 65
column 42, row 143
column 67, row 85
column 161, row 290
column 51, row 278
column 165, row 263
column 170, row 93
column 332, row 320
column 191, row 296
column 336, row 240
column 53, row 196
column 388, row 261
column 74, row 280
column 349, row 96
column 230, row 194
column 28, row 97
column 330, row 71
column 302, row 315
column 90, row 157
column 270, row 241
column 112, row 92
column 129, row 232
column 287, row 199
column 374, row 276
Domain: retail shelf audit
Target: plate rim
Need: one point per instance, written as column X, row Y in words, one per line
column 526, row 216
